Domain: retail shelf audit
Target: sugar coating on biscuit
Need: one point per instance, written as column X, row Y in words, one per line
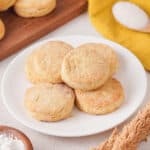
column 103, row 100
column 44, row 63
column 34, row 8
column 107, row 53
column 89, row 66
column 49, row 102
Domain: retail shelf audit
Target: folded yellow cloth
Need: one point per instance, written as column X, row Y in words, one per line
column 100, row 12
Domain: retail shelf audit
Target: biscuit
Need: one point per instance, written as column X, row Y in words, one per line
column 2, row 29
column 44, row 63
column 5, row 4
column 101, row 101
column 49, row 102
column 107, row 53
column 34, row 8
column 89, row 66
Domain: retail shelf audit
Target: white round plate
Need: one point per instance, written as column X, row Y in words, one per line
column 131, row 74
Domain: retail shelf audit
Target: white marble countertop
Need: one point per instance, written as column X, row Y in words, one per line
column 80, row 25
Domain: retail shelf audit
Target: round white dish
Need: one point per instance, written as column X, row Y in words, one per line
column 131, row 74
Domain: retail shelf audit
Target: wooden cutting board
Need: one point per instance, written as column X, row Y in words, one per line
column 20, row 32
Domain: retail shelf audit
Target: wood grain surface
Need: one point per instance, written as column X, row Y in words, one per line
column 20, row 32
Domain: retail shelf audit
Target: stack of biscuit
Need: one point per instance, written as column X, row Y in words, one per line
column 63, row 75
column 27, row 9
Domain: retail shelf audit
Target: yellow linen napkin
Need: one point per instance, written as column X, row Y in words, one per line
column 100, row 12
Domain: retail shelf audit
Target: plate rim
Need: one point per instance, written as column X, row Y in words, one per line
column 37, row 43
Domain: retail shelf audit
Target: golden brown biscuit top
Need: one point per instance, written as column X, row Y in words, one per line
column 46, row 98
column 109, row 93
column 85, row 65
column 46, row 60
column 106, row 52
column 33, row 3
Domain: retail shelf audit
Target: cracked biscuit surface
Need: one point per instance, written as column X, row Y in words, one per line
column 104, row 100
column 44, row 63
column 89, row 66
column 49, row 102
column 107, row 53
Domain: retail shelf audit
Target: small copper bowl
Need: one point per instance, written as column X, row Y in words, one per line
column 17, row 134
